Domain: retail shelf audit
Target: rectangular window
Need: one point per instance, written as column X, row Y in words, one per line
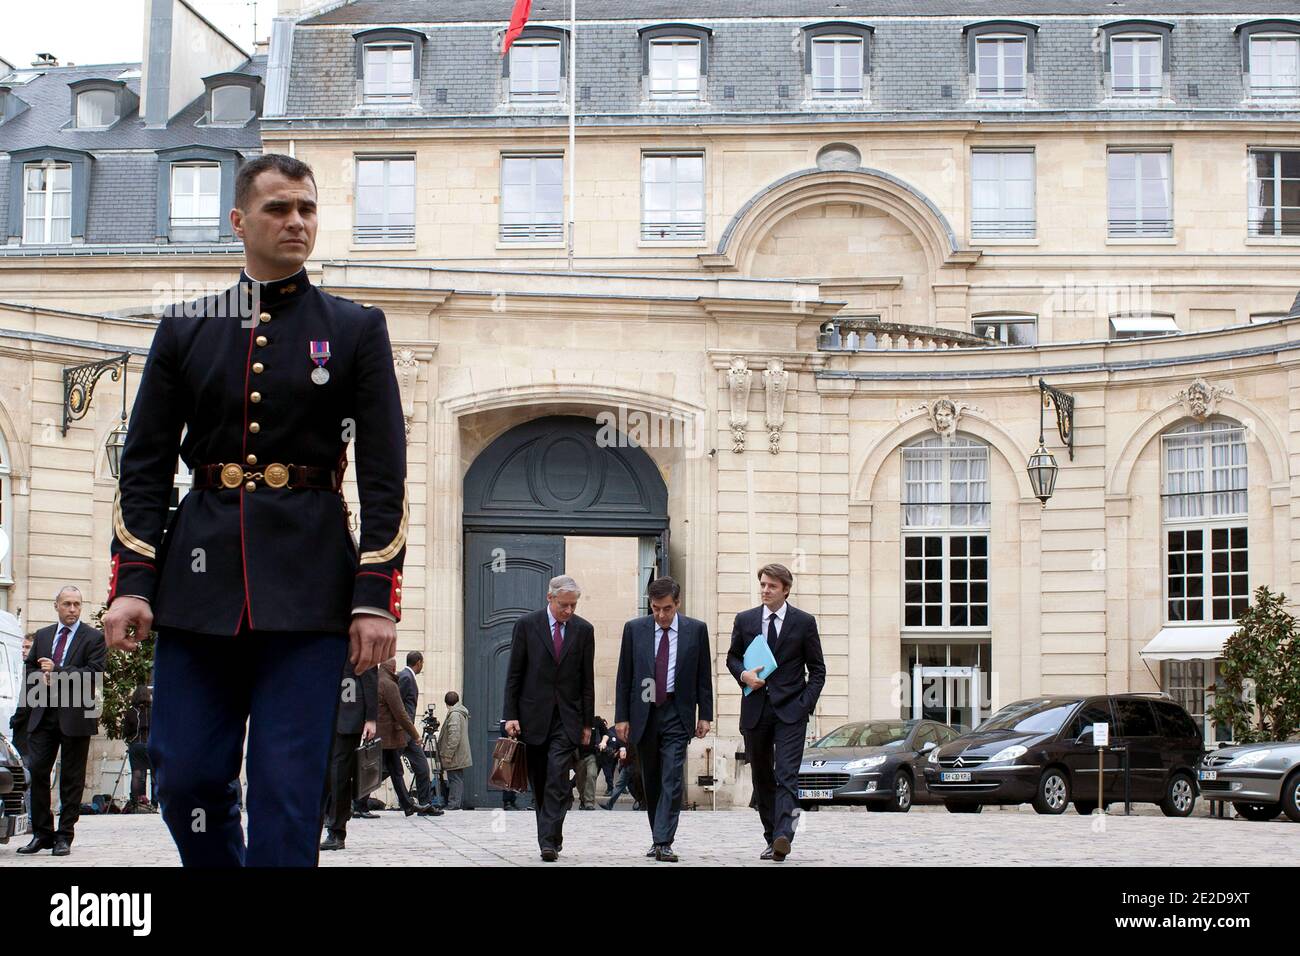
column 47, row 204
column 672, row 196
column 1274, row 192
column 389, row 72
column 385, row 198
column 1000, row 66
column 1002, row 194
column 195, row 202
column 1275, row 66
column 1007, row 329
column 1207, row 574
column 946, row 580
column 1185, row 682
column 1205, row 472
column 837, row 66
column 1140, row 326
column 1140, row 195
column 535, row 70
column 1135, row 65
column 532, row 198
column 675, row 69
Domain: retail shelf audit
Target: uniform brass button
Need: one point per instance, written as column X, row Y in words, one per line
column 261, row 340
column 255, row 397
column 254, row 427
column 265, row 316
column 397, row 590
column 290, row 289
column 252, row 459
column 258, row 368
column 397, row 605
column 250, row 486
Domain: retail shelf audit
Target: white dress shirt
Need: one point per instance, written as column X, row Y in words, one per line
column 672, row 651
column 67, row 646
column 779, row 614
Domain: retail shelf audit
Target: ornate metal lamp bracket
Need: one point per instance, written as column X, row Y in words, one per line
column 1063, row 402
column 79, row 386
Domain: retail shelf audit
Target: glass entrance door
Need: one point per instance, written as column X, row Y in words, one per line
column 950, row 683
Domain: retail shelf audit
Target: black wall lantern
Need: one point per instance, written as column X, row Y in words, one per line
column 1042, row 465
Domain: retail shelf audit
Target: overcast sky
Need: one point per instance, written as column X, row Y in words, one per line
column 108, row 31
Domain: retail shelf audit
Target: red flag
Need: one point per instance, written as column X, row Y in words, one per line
column 517, row 20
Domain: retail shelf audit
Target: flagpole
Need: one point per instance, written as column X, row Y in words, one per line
column 573, row 89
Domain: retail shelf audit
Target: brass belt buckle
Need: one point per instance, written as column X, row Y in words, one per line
column 232, row 476
column 276, row 475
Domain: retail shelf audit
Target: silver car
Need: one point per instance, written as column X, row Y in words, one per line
column 870, row 762
column 1260, row 780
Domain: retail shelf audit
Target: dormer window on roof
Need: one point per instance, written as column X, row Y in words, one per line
column 537, row 65
column 388, row 65
column 1000, row 57
column 1137, row 57
column 233, row 99
column 99, row 103
column 837, row 59
column 675, row 60
column 1270, row 57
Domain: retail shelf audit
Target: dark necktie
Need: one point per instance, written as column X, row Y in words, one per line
column 59, row 644
column 661, row 670
column 557, row 641
column 771, row 634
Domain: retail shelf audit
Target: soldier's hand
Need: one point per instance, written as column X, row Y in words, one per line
column 371, row 639
column 127, row 620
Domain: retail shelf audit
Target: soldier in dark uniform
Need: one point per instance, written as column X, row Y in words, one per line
column 257, row 587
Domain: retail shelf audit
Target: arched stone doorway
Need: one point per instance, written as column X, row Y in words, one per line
column 530, row 488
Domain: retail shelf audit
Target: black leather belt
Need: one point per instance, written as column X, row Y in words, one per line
column 274, row 475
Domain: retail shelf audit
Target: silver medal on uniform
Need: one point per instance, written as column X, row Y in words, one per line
column 320, row 354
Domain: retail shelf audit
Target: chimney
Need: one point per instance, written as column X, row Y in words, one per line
column 45, row 59
column 180, row 49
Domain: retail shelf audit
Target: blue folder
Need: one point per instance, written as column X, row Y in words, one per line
column 758, row 654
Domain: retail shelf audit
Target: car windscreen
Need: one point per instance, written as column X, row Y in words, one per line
column 1036, row 716
column 881, row 733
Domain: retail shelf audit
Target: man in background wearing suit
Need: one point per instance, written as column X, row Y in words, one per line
column 774, row 717
column 357, row 720
column 663, row 679
column 550, row 702
column 64, row 668
column 414, row 749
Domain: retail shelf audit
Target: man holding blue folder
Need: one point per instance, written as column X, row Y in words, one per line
column 776, row 656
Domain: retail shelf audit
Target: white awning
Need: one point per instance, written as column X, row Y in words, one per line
column 1144, row 323
column 1193, row 643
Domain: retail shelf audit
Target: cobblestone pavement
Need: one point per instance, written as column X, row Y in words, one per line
column 927, row 836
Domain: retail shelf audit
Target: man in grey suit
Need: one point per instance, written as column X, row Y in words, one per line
column 414, row 749
column 64, row 672
column 664, row 680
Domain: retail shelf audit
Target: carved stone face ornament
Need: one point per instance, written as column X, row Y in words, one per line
column 1201, row 399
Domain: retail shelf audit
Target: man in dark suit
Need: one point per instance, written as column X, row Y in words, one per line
column 414, row 749
column 64, row 670
column 550, row 702
column 357, row 721
column 257, row 587
column 664, row 679
column 774, row 716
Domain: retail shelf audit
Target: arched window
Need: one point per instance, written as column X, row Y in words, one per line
column 1205, row 498
column 946, row 534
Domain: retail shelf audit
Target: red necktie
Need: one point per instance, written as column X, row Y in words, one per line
column 557, row 641
column 661, row 670
column 58, row 646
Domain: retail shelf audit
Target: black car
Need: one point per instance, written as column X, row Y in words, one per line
column 869, row 762
column 13, row 783
column 1041, row 751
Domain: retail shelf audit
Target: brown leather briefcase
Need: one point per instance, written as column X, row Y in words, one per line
column 509, row 766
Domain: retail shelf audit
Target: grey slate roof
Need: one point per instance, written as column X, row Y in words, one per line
column 755, row 66
column 498, row 11
column 123, row 195
column 1295, row 308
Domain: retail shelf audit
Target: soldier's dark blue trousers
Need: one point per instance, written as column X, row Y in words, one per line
column 284, row 686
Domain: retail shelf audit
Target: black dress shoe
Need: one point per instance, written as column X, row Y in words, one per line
column 430, row 811
column 665, row 854
column 654, row 848
column 364, row 815
column 780, row 848
column 332, row 842
column 766, row 854
column 62, row 847
column 36, row 846
column 549, row 854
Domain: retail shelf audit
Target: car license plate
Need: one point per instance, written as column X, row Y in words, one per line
column 816, row 794
column 1209, row 775
column 20, row 826
column 954, row 776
